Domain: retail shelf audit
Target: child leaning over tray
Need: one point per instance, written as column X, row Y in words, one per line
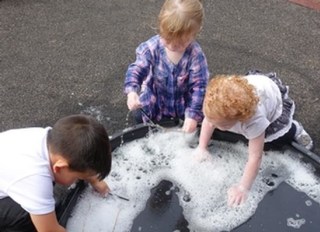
column 32, row 159
column 256, row 106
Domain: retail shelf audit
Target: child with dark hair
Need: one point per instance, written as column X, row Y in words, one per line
column 32, row 159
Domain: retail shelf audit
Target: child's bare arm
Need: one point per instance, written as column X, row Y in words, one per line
column 205, row 134
column 237, row 194
column 189, row 125
column 47, row 223
column 254, row 160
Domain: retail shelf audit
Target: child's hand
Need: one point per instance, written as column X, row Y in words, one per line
column 133, row 101
column 237, row 195
column 100, row 186
column 189, row 125
column 201, row 155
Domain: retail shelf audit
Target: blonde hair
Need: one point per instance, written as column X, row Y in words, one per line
column 180, row 18
column 230, row 97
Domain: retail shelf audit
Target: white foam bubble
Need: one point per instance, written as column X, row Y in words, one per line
column 295, row 223
column 308, row 203
column 142, row 164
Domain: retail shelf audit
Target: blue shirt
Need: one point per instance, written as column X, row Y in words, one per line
column 167, row 89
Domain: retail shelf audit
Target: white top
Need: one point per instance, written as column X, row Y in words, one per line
column 268, row 110
column 25, row 172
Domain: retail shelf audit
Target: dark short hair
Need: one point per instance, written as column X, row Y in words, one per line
column 83, row 142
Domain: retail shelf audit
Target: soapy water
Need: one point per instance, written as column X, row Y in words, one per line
column 140, row 165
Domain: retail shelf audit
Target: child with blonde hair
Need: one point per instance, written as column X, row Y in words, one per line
column 169, row 76
column 256, row 106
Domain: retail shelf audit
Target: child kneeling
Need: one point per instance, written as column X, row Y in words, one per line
column 32, row 159
column 256, row 106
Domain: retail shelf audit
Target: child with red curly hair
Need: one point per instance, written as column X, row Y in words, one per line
column 256, row 106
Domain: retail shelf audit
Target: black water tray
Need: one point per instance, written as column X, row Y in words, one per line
column 271, row 214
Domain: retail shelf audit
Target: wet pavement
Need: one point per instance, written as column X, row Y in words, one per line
column 60, row 57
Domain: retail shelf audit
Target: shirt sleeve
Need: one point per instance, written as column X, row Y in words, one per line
column 253, row 127
column 138, row 70
column 34, row 193
column 199, row 76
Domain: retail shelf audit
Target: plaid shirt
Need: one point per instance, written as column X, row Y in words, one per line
column 167, row 89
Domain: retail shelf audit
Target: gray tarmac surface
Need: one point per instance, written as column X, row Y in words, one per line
column 61, row 57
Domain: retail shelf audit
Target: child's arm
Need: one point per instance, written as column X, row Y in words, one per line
column 237, row 194
column 205, row 134
column 198, row 80
column 136, row 74
column 99, row 185
column 47, row 223
column 189, row 125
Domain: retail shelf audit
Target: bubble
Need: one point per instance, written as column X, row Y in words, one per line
column 295, row 223
column 308, row 203
column 201, row 187
column 186, row 197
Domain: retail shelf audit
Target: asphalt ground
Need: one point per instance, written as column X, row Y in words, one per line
column 61, row 57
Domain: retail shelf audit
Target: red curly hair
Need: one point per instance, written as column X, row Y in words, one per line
column 230, row 97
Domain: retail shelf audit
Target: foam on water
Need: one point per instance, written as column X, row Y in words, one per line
column 295, row 223
column 142, row 164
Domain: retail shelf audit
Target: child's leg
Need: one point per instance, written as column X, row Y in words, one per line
column 296, row 133
column 13, row 218
column 286, row 138
column 301, row 136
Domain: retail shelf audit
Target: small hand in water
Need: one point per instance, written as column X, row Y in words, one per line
column 201, row 155
column 100, row 186
column 237, row 195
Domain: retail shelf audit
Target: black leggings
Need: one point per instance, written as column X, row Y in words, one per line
column 283, row 140
column 13, row 218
